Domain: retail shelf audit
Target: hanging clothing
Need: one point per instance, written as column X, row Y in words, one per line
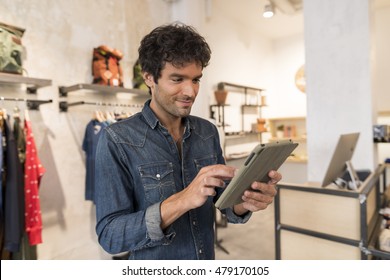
column 14, row 194
column 2, row 147
column 1, row 177
column 4, row 254
column 33, row 174
column 91, row 138
column 20, row 139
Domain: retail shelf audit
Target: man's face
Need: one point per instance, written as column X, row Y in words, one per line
column 176, row 90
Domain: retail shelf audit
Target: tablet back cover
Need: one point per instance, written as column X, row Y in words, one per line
column 263, row 158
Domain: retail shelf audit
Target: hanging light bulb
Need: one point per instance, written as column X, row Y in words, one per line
column 268, row 11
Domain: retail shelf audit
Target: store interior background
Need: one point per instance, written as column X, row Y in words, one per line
column 247, row 50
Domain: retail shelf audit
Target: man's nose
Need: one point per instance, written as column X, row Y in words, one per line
column 190, row 89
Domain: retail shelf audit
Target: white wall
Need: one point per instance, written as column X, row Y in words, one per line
column 382, row 54
column 286, row 100
column 240, row 58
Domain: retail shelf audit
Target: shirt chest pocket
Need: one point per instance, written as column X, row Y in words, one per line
column 205, row 161
column 157, row 180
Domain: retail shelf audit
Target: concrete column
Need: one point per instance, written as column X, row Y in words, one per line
column 339, row 73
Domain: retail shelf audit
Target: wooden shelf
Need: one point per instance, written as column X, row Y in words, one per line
column 296, row 133
column 296, row 160
column 298, row 139
column 288, row 119
column 383, row 113
column 63, row 91
column 32, row 83
column 252, row 106
column 236, row 156
column 241, row 134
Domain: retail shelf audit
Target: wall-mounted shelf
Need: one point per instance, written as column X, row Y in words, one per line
column 244, row 103
column 237, row 156
column 63, row 91
column 293, row 128
column 232, row 135
column 96, row 88
column 32, row 104
column 32, row 83
column 297, row 139
column 252, row 106
column 224, row 85
column 218, row 110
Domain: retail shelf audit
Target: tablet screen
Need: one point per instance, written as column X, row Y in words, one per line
column 263, row 158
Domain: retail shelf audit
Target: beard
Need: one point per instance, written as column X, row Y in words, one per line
column 173, row 105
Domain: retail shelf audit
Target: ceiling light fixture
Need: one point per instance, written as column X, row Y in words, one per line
column 268, row 11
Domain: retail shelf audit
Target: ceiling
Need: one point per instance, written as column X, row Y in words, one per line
column 288, row 7
column 249, row 13
column 287, row 21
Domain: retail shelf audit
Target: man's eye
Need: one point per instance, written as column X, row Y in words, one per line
column 196, row 81
column 177, row 80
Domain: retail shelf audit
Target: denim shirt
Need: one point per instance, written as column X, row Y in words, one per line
column 137, row 167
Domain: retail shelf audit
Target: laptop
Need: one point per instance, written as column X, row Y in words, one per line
column 342, row 156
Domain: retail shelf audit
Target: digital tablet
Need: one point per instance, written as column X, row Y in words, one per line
column 263, row 158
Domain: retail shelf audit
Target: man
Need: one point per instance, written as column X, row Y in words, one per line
column 160, row 171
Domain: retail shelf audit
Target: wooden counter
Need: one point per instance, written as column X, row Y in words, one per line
column 327, row 223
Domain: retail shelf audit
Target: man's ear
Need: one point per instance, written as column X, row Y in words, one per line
column 148, row 78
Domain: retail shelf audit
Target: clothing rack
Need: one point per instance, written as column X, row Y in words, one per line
column 64, row 105
column 32, row 104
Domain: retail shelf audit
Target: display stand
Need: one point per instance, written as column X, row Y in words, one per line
column 217, row 242
column 354, row 183
column 219, row 109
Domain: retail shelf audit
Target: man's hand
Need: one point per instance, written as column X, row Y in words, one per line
column 260, row 197
column 195, row 194
column 204, row 184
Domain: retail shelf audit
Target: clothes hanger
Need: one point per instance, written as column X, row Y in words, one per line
column 110, row 117
column 16, row 111
column 101, row 117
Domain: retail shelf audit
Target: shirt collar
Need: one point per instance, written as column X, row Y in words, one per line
column 149, row 116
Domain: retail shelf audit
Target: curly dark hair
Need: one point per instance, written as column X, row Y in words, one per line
column 174, row 43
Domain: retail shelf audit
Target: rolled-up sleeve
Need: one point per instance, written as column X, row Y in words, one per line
column 153, row 225
column 235, row 219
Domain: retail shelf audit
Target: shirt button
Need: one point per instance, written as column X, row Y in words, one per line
column 194, row 223
column 200, row 251
column 158, row 176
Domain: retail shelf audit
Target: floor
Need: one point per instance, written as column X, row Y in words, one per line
column 254, row 240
